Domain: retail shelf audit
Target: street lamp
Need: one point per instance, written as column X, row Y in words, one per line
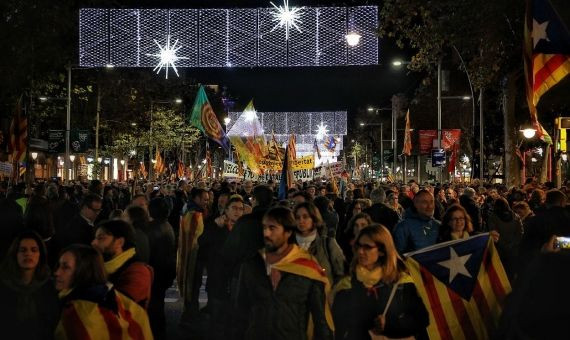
column 227, row 120
column 71, row 168
column 34, row 155
column 528, row 133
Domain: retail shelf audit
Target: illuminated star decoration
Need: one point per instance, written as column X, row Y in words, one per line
column 286, row 16
column 167, row 56
column 322, row 131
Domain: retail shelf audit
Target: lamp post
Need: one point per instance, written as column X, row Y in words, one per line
column 72, row 167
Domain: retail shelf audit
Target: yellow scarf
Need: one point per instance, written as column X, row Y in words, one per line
column 368, row 277
column 63, row 293
column 116, row 262
column 300, row 262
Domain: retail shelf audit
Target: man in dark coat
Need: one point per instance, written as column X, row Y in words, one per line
column 81, row 228
column 280, row 286
column 467, row 201
column 380, row 212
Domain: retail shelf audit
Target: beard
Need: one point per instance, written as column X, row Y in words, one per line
column 271, row 246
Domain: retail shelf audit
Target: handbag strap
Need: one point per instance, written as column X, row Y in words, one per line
column 392, row 293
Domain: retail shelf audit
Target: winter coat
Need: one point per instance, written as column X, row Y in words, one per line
column 162, row 251
column 280, row 314
column 28, row 311
column 328, row 254
column 510, row 231
column 356, row 307
column 210, row 253
column 415, row 232
column 383, row 214
column 473, row 210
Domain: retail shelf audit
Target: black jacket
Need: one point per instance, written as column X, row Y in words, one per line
column 162, row 251
column 383, row 214
column 28, row 312
column 283, row 314
column 356, row 308
column 78, row 230
column 210, row 253
column 245, row 238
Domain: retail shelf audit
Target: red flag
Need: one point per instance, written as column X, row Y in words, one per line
column 407, row 151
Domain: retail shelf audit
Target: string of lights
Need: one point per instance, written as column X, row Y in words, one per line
column 242, row 37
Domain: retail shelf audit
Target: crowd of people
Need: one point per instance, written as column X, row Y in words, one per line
column 94, row 260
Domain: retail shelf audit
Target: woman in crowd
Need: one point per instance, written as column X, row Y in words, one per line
column 210, row 244
column 455, row 224
column 379, row 297
column 325, row 249
column 92, row 308
column 354, row 226
column 29, row 305
column 392, row 202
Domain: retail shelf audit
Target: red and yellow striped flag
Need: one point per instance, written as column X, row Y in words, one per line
column 180, row 171
column 18, row 135
column 159, row 166
column 292, row 148
column 463, row 285
column 407, row 151
column 546, row 56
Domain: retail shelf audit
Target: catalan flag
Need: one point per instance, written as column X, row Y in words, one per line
column 191, row 227
column 463, row 285
column 546, row 55
column 142, row 170
column 180, row 169
column 407, row 151
column 18, row 135
column 159, row 166
column 292, row 148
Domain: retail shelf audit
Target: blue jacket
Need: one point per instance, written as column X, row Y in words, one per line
column 415, row 232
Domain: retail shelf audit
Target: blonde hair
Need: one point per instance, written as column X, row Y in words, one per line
column 391, row 263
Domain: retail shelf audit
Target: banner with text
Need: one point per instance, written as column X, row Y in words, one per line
column 448, row 138
column 231, row 171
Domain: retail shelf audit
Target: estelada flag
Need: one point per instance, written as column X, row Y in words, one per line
column 18, row 134
column 180, row 170
column 191, row 227
column 407, row 150
column 546, row 55
column 463, row 285
column 204, row 118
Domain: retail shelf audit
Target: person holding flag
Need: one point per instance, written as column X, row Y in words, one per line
column 379, row 298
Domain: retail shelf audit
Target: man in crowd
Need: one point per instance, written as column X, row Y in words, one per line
column 418, row 229
column 115, row 240
column 379, row 212
column 281, row 286
column 81, row 228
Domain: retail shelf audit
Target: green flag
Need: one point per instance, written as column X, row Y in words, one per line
column 204, row 118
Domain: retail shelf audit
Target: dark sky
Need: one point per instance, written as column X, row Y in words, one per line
column 301, row 88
